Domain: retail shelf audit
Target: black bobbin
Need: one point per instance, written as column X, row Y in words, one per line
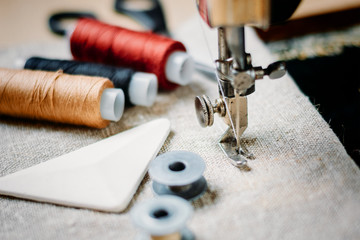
column 178, row 173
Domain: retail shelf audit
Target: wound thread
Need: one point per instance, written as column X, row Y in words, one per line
column 120, row 77
column 52, row 96
column 94, row 41
column 172, row 236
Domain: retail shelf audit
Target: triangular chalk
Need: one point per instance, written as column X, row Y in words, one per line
column 102, row 176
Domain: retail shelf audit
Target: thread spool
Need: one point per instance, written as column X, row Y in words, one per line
column 139, row 88
column 94, row 41
column 163, row 218
column 59, row 97
column 178, row 173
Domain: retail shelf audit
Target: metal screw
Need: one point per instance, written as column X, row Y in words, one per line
column 205, row 110
column 276, row 70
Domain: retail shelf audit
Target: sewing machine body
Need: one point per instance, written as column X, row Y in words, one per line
column 219, row 13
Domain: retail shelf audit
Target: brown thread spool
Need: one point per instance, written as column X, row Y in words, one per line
column 173, row 236
column 59, row 97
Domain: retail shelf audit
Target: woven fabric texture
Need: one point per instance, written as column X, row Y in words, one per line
column 302, row 184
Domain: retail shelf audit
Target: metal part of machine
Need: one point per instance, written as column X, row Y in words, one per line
column 235, row 72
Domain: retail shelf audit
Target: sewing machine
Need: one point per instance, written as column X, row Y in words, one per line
column 235, row 73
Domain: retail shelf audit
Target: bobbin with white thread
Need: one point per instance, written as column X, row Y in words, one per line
column 178, row 173
column 163, row 218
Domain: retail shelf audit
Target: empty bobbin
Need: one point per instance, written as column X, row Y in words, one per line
column 163, row 217
column 178, row 173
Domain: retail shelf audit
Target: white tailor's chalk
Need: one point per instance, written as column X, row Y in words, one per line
column 102, row 176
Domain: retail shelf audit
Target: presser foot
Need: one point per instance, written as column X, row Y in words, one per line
column 238, row 154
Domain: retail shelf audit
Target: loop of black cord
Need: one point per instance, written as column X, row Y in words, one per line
column 119, row 76
column 56, row 19
column 152, row 19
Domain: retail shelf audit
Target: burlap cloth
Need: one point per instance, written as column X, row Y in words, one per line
column 302, row 184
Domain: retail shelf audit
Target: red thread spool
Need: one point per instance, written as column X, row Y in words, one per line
column 143, row 51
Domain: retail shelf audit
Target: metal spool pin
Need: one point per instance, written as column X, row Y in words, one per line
column 178, row 173
column 163, row 218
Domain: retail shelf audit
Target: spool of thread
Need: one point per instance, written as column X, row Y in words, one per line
column 139, row 88
column 163, row 218
column 94, row 41
column 59, row 97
